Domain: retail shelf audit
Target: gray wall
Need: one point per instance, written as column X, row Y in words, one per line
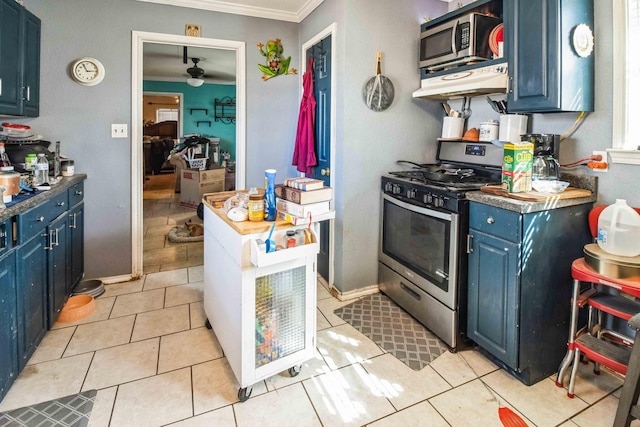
column 368, row 143
column 80, row 117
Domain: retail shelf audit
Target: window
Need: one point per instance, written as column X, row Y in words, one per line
column 626, row 80
column 163, row 114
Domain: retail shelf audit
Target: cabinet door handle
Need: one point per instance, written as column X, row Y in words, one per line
column 60, row 203
column 40, row 219
column 57, row 242
column 28, row 93
column 469, row 243
column 490, row 220
column 78, row 193
column 74, row 223
column 49, row 245
column 0, row 87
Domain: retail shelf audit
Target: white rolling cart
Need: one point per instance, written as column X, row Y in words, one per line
column 261, row 306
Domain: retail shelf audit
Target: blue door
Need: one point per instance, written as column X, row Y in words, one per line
column 321, row 53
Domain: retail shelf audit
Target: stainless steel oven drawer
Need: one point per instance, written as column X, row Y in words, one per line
column 437, row 317
column 497, row 222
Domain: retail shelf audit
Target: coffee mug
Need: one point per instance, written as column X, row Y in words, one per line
column 452, row 127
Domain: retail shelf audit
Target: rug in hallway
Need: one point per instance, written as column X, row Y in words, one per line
column 393, row 329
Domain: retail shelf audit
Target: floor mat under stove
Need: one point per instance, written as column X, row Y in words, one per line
column 393, row 329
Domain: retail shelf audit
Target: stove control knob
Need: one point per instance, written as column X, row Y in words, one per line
column 428, row 198
column 388, row 186
column 396, row 189
column 438, row 202
column 411, row 193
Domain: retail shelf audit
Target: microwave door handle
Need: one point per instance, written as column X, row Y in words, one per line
column 453, row 38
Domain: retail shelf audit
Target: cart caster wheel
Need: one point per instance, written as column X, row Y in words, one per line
column 295, row 370
column 243, row 395
column 207, row 324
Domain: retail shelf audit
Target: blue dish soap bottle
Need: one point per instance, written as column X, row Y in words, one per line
column 269, row 195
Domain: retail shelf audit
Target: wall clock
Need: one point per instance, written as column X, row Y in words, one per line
column 87, row 71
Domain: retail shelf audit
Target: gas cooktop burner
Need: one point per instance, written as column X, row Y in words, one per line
column 449, row 176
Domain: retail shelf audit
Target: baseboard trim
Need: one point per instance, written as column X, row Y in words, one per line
column 356, row 293
column 118, row 279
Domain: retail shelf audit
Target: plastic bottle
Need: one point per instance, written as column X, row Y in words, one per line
column 5, row 163
column 41, row 173
column 269, row 195
column 30, row 162
column 619, row 230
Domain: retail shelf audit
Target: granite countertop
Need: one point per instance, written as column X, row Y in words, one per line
column 41, row 196
column 587, row 182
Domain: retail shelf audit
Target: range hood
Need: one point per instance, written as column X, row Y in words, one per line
column 478, row 81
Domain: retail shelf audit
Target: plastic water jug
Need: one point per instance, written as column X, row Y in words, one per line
column 619, row 230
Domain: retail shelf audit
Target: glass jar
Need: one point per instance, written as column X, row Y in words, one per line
column 256, row 207
column 290, row 239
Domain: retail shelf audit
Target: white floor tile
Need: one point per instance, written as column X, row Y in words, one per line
column 347, row 397
column 328, row 305
column 52, row 346
column 139, row 302
column 420, row 415
column 471, row 404
column 184, row 294
column 197, row 315
column 123, row 288
column 344, row 345
column 154, row 401
column 543, row 403
column 47, row 381
column 196, row 274
column 402, row 385
column 122, row 364
column 600, row 414
column 222, row 417
column 311, row 368
column 166, row 278
column 321, row 321
column 161, row 322
column 99, row 335
column 102, row 407
column 591, row 387
column 188, row 348
column 454, row 368
column 285, row 407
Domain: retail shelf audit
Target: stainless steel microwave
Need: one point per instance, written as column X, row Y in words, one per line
column 457, row 41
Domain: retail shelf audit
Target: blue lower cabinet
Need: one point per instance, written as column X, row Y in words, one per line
column 31, row 271
column 8, row 323
column 58, row 272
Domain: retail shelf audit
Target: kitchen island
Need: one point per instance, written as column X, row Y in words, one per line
column 261, row 306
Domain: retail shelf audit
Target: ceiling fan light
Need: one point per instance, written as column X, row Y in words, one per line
column 194, row 82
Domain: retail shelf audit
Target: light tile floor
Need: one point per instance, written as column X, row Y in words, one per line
column 147, row 352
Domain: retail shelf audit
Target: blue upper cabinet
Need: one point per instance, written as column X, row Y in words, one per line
column 549, row 45
column 19, row 60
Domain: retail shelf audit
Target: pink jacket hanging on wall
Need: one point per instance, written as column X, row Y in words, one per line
column 304, row 155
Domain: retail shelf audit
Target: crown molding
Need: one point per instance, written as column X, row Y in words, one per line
column 238, row 9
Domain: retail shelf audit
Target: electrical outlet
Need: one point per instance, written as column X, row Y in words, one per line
column 119, row 130
column 604, row 160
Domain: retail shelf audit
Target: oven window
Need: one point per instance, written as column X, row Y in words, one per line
column 435, row 45
column 418, row 241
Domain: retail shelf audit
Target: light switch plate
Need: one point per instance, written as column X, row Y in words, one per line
column 119, row 130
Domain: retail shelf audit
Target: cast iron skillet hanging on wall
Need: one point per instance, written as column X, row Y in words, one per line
column 378, row 92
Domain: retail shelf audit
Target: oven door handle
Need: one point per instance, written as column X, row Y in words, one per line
column 419, row 209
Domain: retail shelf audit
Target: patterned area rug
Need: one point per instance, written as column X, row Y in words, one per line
column 68, row 411
column 393, row 329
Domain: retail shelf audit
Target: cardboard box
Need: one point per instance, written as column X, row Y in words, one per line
column 195, row 183
column 516, row 167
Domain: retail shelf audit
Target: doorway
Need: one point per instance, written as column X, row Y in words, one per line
column 138, row 41
column 319, row 47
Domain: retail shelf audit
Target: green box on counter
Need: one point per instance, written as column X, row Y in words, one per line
column 517, row 163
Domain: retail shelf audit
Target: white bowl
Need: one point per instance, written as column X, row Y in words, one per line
column 550, row 186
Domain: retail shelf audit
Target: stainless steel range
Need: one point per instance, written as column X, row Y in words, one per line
column 423, row 228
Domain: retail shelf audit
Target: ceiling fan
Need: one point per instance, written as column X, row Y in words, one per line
column 195, row 74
